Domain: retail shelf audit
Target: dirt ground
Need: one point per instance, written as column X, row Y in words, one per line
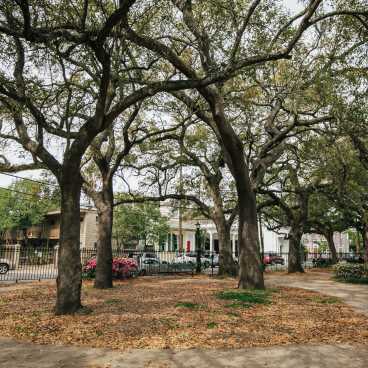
column 178, row 313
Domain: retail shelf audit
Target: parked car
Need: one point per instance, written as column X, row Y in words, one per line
column 322, row 262
column 214, row 259
column 192, row 259
column 273, row 258
column 353, row 258
column 4, row 266
column 154, row 266
column 147, row 255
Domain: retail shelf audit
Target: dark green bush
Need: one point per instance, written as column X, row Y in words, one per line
column 351, row 272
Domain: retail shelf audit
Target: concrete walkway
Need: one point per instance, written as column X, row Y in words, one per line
column 17, row 355
column 355, row 295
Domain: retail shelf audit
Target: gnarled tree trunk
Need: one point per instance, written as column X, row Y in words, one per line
column 104, row 204
column 296, row 254
column 227, row 266
column 331, row 245
column 250, row 271
column 365, row 240
column 69, row 280
column 250, row 265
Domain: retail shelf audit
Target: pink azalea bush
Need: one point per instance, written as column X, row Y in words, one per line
column 121, row 268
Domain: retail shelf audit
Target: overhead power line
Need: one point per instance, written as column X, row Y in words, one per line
column 28, row 179
column 34, row 195
column 34, row 181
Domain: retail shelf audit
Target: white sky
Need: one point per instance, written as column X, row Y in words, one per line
column 293, row 5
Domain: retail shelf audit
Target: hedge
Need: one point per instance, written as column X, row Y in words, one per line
column 352, row 272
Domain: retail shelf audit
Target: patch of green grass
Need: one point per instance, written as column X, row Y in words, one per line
column 21, row 329
column 233, row 314
column 36, row 313
column 212, row 325
column 325, row 300
column 99, row 333
column 245, row 298
column 188, row 305
column 112, row 301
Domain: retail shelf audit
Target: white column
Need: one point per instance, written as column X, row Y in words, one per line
column 211, row 241
column 233, row 244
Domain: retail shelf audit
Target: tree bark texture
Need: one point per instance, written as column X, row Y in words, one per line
column 104, row 206
column 250, row 265
column 296, row 254
column 331, row 246
column 365, row 241
column 227, row 265
column 69, row 280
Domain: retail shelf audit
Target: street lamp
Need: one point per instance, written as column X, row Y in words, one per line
column 198, row 247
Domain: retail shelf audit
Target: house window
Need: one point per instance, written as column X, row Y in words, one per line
column 174, row 242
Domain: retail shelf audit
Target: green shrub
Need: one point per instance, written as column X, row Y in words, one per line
column 351, row 272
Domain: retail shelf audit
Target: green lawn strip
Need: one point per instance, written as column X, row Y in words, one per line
column 246, row 298
column 188, row 305
column 325, row 299
column 112, row 301
column 233, row 314
column 211, row 325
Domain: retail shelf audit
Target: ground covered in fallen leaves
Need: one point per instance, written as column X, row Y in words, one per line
column 180, row 313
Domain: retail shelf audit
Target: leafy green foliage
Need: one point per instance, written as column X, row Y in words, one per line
column 352, row 272
column 25, row 204
column 139, row 222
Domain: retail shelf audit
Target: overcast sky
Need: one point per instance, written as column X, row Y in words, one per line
column 293, row 5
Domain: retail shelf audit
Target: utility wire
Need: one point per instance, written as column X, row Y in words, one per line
column 19, row 192
column 33, row 195
column 33, row 180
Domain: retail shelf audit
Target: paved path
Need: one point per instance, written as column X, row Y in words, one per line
column 16, row 355
column 355, row 295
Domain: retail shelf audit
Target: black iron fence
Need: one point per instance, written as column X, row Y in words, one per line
column 23, row 263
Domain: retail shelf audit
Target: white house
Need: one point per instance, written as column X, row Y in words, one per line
column 271, row 241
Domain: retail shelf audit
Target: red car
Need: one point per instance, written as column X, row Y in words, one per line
column 272, row 258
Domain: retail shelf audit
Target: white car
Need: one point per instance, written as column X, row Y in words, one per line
column 4, row 266
column 192, row 259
